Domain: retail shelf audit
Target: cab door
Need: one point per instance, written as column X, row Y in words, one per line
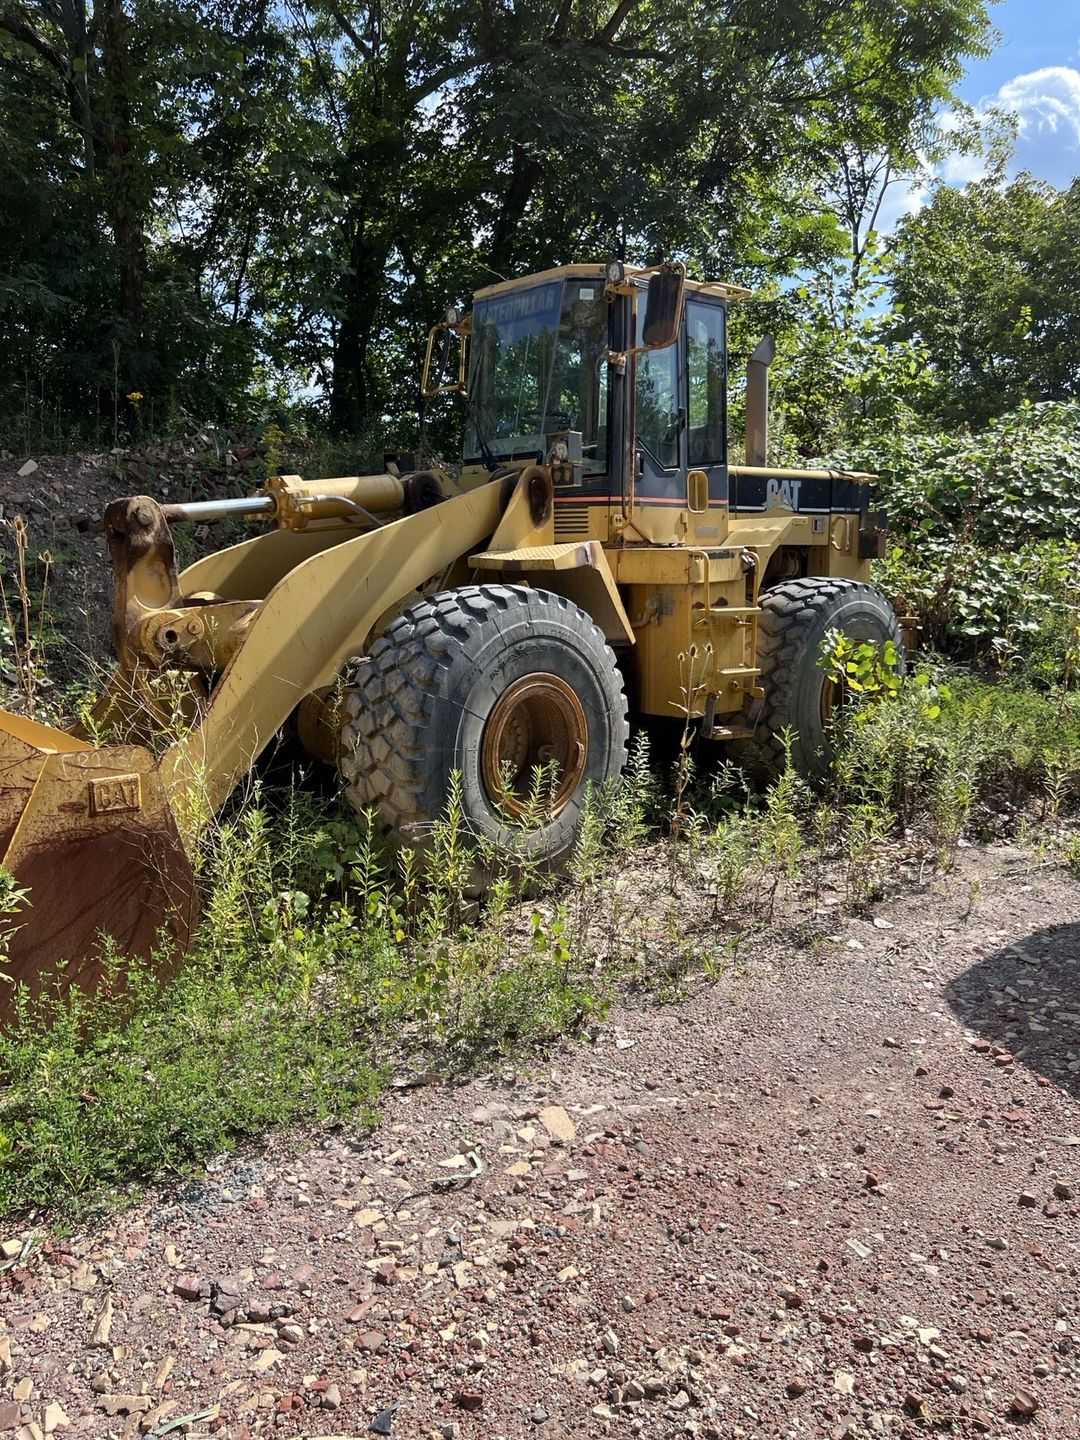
column 680, row 402
column 659, row 489
column 706, row 417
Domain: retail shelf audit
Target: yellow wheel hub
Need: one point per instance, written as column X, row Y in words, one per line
column 537, row 724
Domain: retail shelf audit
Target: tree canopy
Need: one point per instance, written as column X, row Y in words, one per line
column 987, row 278
column 221, row 208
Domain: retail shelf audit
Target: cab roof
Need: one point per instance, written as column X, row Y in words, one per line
column 716, row 289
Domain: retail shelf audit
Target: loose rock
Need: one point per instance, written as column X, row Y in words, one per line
column 557, row 1123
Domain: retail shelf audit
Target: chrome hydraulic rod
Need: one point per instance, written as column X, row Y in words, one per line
column 220, row 509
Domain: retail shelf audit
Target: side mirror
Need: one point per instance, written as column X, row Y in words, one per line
column 663, row 307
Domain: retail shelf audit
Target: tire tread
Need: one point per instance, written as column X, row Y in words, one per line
column 384, row 759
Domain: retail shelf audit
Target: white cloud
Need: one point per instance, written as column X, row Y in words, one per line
column 1046, row 104
column 961, row 169
column 1046, row 101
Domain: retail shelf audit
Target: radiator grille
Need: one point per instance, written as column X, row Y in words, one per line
column 571, row 521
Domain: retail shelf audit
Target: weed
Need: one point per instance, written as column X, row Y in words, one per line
column 780, row 843
column 681, row 817
column 24, row 620
column 306, row 982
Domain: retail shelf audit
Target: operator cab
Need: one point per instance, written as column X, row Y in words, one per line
column 618, row 378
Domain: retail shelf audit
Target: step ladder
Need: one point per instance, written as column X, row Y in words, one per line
column 722, row 618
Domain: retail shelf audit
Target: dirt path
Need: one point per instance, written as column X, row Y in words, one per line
column 837, row 1195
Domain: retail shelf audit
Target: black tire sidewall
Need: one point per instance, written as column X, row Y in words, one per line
column 863, row 614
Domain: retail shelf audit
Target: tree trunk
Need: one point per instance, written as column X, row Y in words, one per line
column 525, row 173
column 125, row 192
column 353, row 398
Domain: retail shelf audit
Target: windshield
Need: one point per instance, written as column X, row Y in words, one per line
column 539, row 365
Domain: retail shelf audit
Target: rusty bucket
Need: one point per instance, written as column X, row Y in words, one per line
column 90, row 832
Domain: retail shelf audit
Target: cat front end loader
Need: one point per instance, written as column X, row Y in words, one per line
column 596, row 543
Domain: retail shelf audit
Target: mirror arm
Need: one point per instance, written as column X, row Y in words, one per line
column 459, row 387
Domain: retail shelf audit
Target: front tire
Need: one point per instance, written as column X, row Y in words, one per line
column 491, row 681
column 796, row 617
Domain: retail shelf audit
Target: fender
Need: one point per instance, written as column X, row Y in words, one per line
column 579, row 570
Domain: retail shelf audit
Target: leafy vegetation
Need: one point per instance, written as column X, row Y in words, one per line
column 987, row 278
column 986, row 528
column 323, row 967
column 223, row 210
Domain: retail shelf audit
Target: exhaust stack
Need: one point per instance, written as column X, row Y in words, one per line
column 757, row 401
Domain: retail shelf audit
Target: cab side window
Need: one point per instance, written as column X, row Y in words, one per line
column 657, row 392
column 706, row 383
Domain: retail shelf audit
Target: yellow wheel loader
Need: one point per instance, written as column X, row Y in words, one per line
column 489, row 621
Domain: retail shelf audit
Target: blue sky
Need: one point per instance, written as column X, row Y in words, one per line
column 1032, row 72
column 1035, row 71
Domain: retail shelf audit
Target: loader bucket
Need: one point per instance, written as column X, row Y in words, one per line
column 90, row 832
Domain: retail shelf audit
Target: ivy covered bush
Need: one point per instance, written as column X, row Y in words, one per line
column 985, row 543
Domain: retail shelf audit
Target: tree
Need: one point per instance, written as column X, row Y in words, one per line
column 232, row 203
column 126, row 128
column 985, row 277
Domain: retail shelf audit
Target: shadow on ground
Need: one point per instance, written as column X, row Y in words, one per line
column 1026, row 998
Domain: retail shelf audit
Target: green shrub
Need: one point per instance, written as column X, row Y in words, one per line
column 294, row 1003
column 986, row 535
column 1014, row 481
column 948, row 754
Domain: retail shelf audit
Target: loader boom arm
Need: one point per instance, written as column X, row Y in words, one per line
column 316, row 616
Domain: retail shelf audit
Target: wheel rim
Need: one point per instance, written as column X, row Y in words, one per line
column 537, row 721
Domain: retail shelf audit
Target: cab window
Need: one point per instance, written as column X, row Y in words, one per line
column 657, row 391
column 706, row 383
column 539, row 365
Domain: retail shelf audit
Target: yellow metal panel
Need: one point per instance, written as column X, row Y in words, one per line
column 660, row 642
column 765, row 532
column 783, row 473
column 671, row 565
column 42, row 737
column 596, row 272
column 527, row 520
column 533, row 557
column 250, row 570
column 845, row 566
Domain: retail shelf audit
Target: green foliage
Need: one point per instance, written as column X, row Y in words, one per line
column 861, row 668
column 840, row 376
column 13, row 899
column 1013, row 481
column 947, row 757
column 988, row 532
column 229, row 210
column 987, row 279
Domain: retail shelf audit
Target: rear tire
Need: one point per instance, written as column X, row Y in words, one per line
column 796, row 617
column 478, row 680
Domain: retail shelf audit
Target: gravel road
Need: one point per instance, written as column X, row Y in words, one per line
column 834, row 1194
